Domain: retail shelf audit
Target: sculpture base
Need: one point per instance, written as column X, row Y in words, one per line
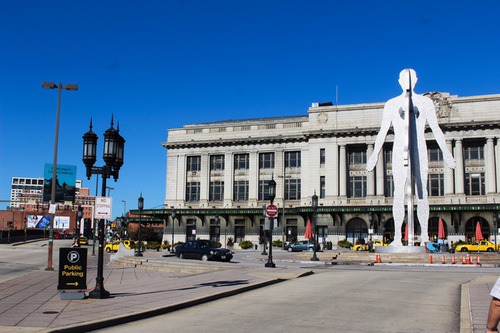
column 400, row 249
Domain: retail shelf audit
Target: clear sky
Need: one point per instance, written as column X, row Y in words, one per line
column 157, row 65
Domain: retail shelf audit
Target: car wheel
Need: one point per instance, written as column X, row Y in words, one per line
column 204, row 257
column 358, row 249
column 489, row 249
column 310, row 249
column 290, row 249
column 108, row 249
column 182, row 256
column 464, row 249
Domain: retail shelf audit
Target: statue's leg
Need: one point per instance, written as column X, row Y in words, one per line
column 423, row 218
column 398, row 213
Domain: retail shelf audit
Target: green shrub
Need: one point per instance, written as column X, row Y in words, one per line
column 344, row 243
column 153, row 245
column 177, row 244
column 230, row 241
column 165, row 245
column 246, row 244
column 277, row 243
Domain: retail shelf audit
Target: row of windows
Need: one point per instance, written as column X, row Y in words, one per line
column 474, row 185
column 27, row 181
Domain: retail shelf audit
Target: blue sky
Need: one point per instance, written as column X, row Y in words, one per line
column 157, row 65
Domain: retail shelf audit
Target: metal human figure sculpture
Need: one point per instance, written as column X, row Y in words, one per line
column 408, row 113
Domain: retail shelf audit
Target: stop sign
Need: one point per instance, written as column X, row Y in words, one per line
column 271, row 210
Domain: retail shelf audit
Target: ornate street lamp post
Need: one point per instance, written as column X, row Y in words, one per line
column 140, row 206
column 78, row 221
column 114, row 145
column 314, row 207
column 272, row 195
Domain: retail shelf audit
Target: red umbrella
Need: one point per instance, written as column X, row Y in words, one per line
column 441, row 234
column 309, row 230
column 406, row 233
column 479, row 234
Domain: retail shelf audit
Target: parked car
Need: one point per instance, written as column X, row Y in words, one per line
column 303, row 245
column 364, row 247
column 82, row 240
column 113, row 247
column 57, row 235
column 477, row 246
column 202, row 249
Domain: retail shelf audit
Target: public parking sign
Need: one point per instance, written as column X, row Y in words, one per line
column 72, row 268
column 271, row 211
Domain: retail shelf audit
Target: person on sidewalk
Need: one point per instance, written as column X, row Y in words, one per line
column 494, row 312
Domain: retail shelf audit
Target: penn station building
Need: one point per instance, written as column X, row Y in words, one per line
column 218, row 174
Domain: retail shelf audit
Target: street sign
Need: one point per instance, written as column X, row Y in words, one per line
column 271, row 210
column 102, row 209
column 72, row 268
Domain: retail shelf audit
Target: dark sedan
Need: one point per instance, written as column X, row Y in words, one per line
column 202, row 250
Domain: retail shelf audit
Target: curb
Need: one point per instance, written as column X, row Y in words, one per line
column 465, row 313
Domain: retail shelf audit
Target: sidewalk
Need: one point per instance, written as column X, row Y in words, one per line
column 32, row 303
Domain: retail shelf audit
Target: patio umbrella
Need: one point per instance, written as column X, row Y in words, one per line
column 406, row 233
column 309, row 230
column 441, row 234
column 479, row 234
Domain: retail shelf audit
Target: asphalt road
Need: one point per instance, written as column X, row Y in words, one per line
column 335, row 300
column 19, row 260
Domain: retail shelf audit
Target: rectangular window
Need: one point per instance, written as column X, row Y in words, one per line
column 266, row 161
column 292, row 159
column 239, row 233
column 473, row 152
column 193, row 163
column 435, row 154
column 241, row 161
column 216, row 192
column 292, row 189
column 388, row 155
column 263, row 190
column 215, row 233
column 357, row 187
column 217, row 162
column 240, row 192
column 322, row 185
column 193, row 191
column 322, row 157
column 357, row 156
column 389, row 186
column 435, row 185
column 474, row 184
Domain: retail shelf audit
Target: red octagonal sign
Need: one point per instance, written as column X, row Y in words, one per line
column 271, row 210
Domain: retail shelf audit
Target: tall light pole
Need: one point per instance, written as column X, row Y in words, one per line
column 140, row 206
column 60, row 87
column 314, row 207
column 272, row 195
column 114, row 145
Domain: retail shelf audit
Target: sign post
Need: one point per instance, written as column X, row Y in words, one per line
column 72, row 272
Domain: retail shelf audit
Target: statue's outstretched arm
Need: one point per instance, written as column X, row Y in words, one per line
column 379, row 141
column 439, row 136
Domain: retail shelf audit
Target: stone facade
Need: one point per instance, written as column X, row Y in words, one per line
column 218, row 172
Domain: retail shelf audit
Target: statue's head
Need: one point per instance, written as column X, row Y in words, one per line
column 405, row 76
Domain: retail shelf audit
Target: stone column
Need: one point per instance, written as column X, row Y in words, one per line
column 490, row 166
column 228, row 178
column 332, row 171
column 448, row 173
column 459, row 170
column 343, row 171
column 370, row 177
column 204, row 178
column 380, row 173
column 497, row 155
column 253, row 179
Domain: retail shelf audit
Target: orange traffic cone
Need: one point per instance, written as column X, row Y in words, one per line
column 430, row 259
column 390, row 260
column 444, row 260
column 478, row 262
column 469, row 261
column 453, row 260
column 377, row 259
column 463, row 260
